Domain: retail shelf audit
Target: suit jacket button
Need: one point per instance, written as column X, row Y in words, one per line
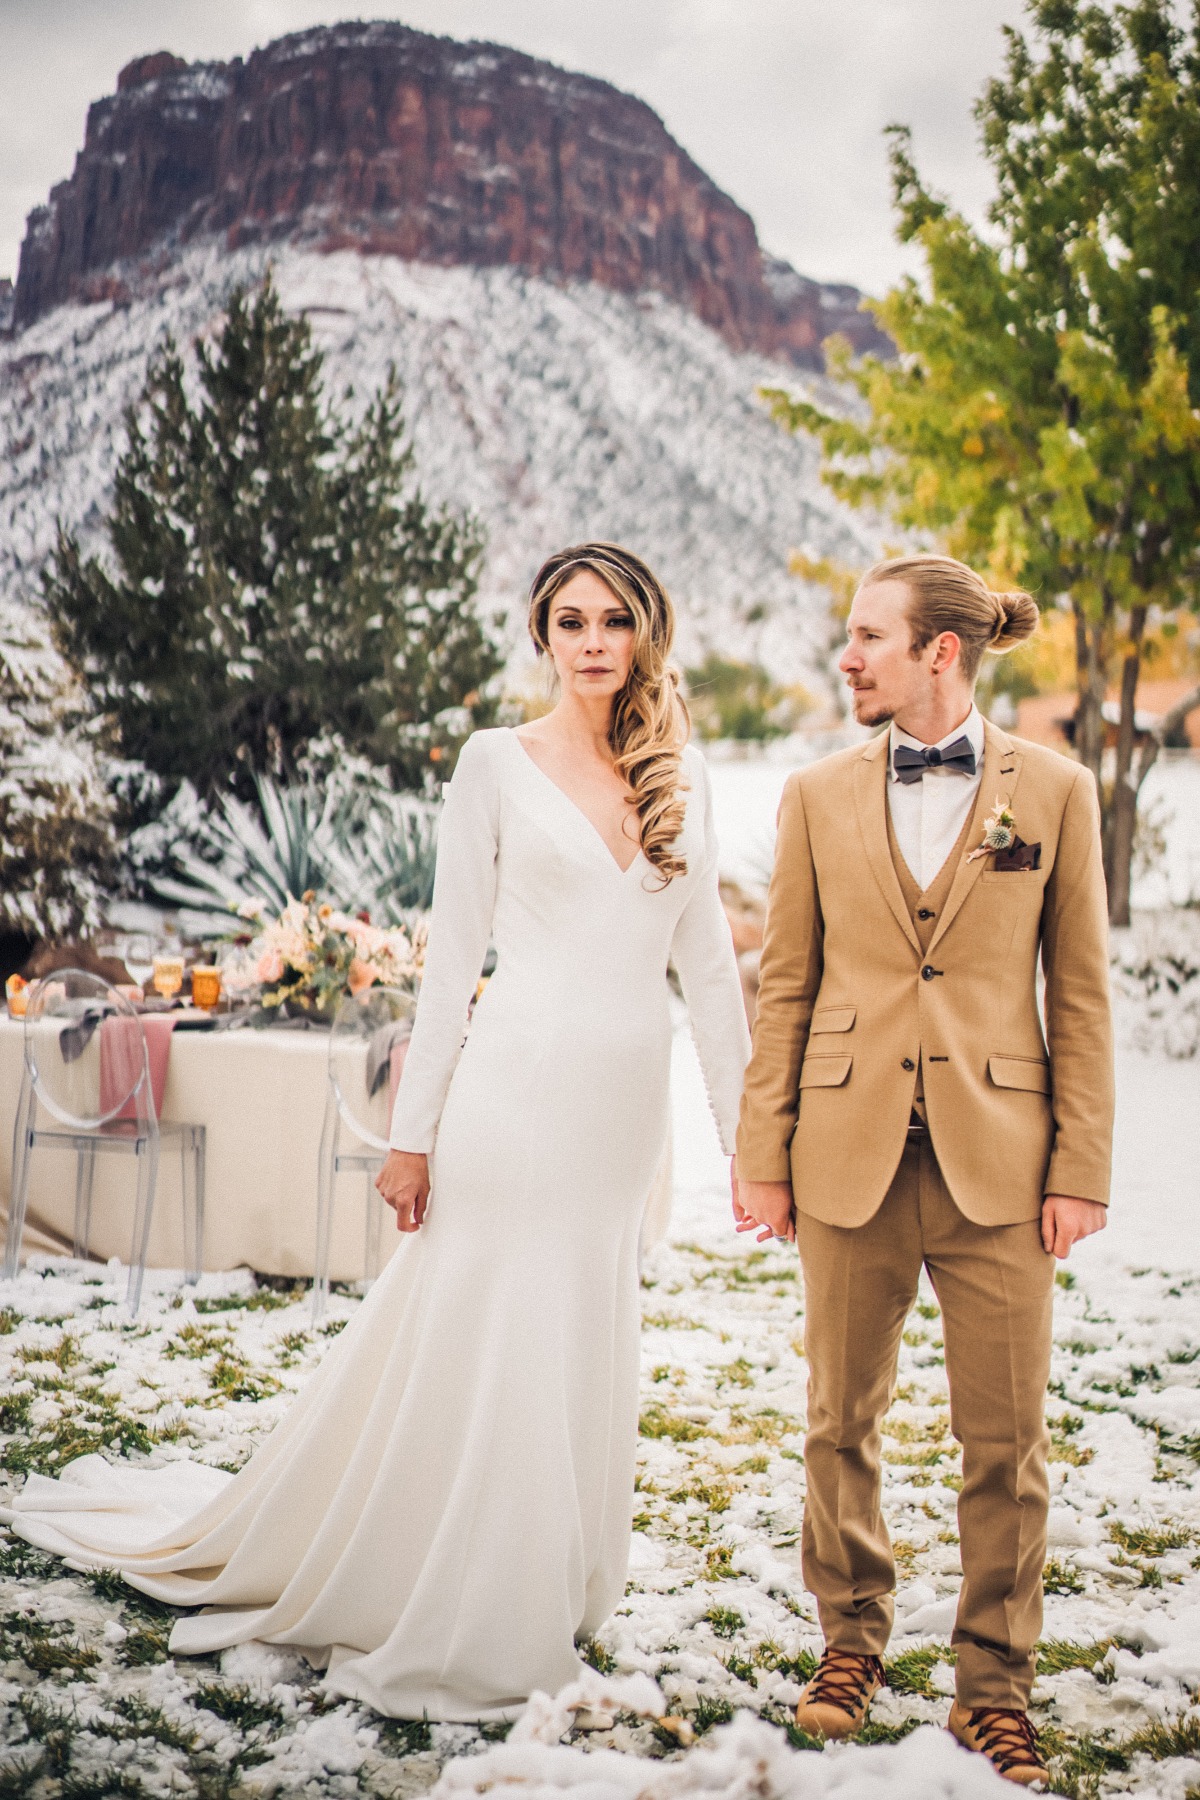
column 908, row 1064
column 924, row 913
column 928, row 972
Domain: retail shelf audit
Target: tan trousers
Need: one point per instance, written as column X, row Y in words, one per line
column 995, row 1285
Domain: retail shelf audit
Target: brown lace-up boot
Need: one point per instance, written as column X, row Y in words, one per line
column 836, row 1701
column 1005, row 1737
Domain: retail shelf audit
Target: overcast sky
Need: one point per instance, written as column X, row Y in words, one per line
column 783, row 102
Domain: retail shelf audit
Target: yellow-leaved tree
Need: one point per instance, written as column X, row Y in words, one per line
column 1042, row 418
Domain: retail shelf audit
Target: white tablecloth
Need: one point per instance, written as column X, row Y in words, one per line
column 261, row 1097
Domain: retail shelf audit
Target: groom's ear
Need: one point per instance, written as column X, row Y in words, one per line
column 947, row 653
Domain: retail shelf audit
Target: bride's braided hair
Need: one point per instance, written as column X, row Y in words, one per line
column 650, row 723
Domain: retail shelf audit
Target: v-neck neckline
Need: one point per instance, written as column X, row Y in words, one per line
column 576, row 809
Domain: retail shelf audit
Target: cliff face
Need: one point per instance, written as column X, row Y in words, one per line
column 388, row 140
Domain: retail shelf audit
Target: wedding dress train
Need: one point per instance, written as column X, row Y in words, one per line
column 447, row 1505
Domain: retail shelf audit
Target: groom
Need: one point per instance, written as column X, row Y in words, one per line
column 903, row 1108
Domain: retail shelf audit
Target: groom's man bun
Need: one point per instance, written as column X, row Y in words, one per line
column 945, row 595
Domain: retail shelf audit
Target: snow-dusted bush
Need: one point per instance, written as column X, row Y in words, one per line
column 1156, row 982
column 56, row 839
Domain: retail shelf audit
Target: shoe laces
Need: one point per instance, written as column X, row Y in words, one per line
column 1006, row 1738
column 844, row 1679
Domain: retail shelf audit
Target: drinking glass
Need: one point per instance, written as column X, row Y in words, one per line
column 139, row 959
column 168, row 974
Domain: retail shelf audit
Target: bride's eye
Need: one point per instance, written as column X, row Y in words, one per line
column 620, row 622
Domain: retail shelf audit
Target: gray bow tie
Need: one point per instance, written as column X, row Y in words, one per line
column 910, row 765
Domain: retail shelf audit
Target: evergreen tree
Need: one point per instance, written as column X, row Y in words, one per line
column 276, row 575
column 1043, row 417
column 56, row 840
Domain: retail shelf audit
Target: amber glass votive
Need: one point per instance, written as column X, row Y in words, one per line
column 168, row 975
column 206, row 985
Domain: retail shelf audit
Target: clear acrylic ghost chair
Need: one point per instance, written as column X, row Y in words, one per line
column 367, row 1029
column 85, row 1086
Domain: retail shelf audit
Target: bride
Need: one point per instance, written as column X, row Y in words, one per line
column 446, row 1508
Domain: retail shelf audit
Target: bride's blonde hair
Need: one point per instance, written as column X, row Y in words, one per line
column 650, row 723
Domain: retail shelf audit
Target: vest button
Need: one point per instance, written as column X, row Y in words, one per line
column 924, row 913
column 908, row 1064
column 928, row 972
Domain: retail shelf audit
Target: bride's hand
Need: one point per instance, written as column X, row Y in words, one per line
column 404, row 1183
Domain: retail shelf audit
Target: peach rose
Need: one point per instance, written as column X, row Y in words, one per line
column 361, row 976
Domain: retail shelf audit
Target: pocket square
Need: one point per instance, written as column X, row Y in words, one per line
column 1019, row 856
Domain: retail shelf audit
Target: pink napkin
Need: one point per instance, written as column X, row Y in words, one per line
column 121, row 1060
column 399, row 1052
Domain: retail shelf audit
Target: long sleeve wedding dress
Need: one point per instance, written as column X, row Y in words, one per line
column 447, row 1506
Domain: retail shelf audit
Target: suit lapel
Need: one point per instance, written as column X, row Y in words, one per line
column 1001, row 772
column 870, row 800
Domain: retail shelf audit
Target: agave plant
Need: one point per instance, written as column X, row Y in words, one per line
column 363, row 851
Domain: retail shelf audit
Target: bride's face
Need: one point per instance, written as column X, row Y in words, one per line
column 590, row 635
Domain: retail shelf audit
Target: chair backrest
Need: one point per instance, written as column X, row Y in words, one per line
column 367, row 1046
column 85, row 1050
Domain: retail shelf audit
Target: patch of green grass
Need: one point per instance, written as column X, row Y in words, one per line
column 10, row 1318
column 267, row 1297
column 1060, row 1578
column 1163, row 1739
column 1056, row 1655
column 910, row 1672
column 406, row 1737
column 232, row 1378
column 710, row 1712
column 19, row 1560
column 766, row 1426
column 596, row 1656
column 139, row 1720
column 238, row 1705
column 1143, row 1541
column 740, row 1372
column 726, row 1621
column 146, row 1643
column 740, row 1667
column 108, row 1786
column 47, row 1649
column 718, row 1565
column 875, row 1733
column 106, row 1584
column 657, row 1422
column 52, row 1728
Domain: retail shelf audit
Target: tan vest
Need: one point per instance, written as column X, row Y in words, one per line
column 925, row 909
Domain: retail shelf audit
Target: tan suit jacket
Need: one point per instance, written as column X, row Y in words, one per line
column 849, row 1004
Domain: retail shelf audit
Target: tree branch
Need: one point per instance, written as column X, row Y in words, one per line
column 1158, row 735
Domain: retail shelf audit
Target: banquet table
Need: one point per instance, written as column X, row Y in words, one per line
column 260, row 1094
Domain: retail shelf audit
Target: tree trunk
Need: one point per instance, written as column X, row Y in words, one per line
column 1090, row 672
column 1122, row 819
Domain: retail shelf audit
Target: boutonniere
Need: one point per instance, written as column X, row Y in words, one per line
column 999, row 832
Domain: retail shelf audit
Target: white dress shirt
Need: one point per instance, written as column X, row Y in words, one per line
column 929, row 814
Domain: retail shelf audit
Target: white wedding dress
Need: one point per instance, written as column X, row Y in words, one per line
column 447, row 1506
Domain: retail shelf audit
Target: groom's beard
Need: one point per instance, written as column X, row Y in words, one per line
column 868, row 708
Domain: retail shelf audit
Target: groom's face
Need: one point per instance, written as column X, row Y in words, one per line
column 882, row 670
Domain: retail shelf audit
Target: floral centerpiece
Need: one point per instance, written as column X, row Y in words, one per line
column 308, row 958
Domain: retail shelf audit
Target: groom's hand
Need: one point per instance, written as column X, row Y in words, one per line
column 1066, row 1220
column 766, row 1207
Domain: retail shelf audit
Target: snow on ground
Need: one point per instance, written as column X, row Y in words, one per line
column 716, row 1614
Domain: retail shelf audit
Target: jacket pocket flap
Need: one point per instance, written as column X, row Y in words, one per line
column 824, row 1071
column 1025, row 1072
column 833, row 1018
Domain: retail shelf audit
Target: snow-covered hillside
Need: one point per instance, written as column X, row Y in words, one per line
column 556, row 412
